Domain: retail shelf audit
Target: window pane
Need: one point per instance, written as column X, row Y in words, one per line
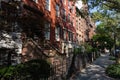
column 47, row 6
column 63, row 12
column 47, row 31
column 57, row 33
column 57, row 10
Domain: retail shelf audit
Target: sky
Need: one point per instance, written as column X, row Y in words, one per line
column 78, row 4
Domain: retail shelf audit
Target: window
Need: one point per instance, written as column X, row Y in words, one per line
column 71, row 22
column 65, row 2
column 61, row 33
column 70, row 35
column 68, row 3
column 57, row 33
column 65, row 33
column 35, row 1
column 47, row 31
column 47, row 6
column 68, row 17
column 61, row 1
column 57, row 10
column 71, row 9
column 63, row 12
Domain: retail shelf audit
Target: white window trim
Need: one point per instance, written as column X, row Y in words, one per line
column 49, row 6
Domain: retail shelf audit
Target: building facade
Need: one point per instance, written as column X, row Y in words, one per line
column 51, row 29
column 59, row 22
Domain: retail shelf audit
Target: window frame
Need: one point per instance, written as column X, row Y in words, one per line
column 65, row 35
column 47, row 31
column 57, row 33
column 47, row 5
column 63, row 13
column 57, row 10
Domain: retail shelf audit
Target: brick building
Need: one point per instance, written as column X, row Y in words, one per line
column 51, row 29
column 84, row 25
column 59, row 20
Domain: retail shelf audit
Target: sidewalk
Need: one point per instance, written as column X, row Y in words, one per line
column 96, row 70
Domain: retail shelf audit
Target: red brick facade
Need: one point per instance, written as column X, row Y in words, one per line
column 57, row 25
column 66, row 29
column 65, row 20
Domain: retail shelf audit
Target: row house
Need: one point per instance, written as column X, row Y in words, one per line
column 85, row 27
column 59, row 22
column 59, row 18
column 92, row 28
column 50, row 29
column 55, row 21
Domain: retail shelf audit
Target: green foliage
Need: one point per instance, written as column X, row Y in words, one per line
column 96, row 16
column 34, row 69
column 113, row 71
column 104, row 41
column 108, row 14
column 7, row 71
column 78, row 50
column 105, row 4
column 88, row 48
column 112, row 58
column 95, row 49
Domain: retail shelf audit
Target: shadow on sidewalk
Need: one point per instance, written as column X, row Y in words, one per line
column 96, row 70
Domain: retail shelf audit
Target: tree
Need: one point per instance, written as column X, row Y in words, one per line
column 103, row 41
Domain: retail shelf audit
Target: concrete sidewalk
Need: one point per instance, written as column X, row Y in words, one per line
column 96, row 70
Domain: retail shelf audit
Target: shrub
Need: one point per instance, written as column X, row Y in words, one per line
column 113, row 70
column 7, row 72
column 34, row 69
column 112, row 58
column 88, row 48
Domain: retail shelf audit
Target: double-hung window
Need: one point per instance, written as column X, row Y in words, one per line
column 47, row 6
column 68, row 17
column 47, row 31
column 57, row 10
column 57, row 33
column 70, row 36
column 65, row 35
column 63, row 14
column 68, row 3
